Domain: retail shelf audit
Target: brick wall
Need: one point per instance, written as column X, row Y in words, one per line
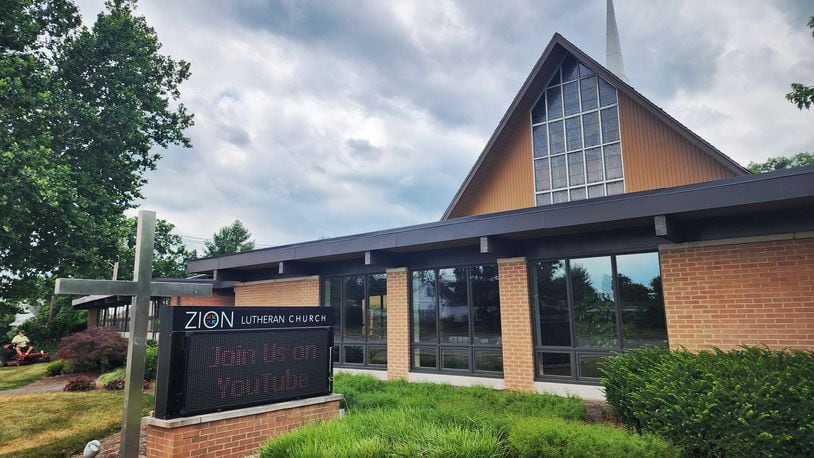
column 289, row 291
column 398, row 323
column 515, row 325
column 233, row 437
column 726, row 295
column 215, row 299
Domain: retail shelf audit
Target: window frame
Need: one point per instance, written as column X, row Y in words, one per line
column 340, row 344
column 546, row 196
column 438, row 345
column 573, row 350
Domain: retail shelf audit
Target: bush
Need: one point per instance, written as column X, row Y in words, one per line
column 80, row 383
column 747, row 402
column 70, row 366
column 55, row 367
column 112, row 375
column 115, row 384
column 554, row 437
column 94, row 349
column 151, row 360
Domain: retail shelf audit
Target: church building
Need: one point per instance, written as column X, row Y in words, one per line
column 592, row 223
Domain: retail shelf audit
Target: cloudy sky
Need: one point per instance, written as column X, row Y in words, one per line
column 320, row 119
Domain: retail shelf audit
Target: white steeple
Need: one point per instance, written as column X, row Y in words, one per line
column 613, row 50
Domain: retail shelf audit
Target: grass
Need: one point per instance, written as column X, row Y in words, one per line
column 58, row 424
column 17, row 376
column 397, row 418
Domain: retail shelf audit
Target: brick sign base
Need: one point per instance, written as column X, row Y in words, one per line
column 236, row 432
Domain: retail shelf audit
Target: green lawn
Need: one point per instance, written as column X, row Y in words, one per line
column 17, row 376
column 58, row 424
column 401, row 419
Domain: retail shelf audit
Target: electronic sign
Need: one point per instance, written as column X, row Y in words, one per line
column 213, row 359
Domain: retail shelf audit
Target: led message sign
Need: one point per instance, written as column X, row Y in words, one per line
column 221, row 358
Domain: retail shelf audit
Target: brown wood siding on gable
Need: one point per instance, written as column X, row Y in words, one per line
column 506, row 185
column 656, row 156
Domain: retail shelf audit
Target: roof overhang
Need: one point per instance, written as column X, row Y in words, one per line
column 776, row 190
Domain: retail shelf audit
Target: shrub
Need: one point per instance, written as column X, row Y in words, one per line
column 115, row 384
column 71, row 366
column 112, row 375
column 747, row 402
column 94, row 349
column 554, row 437
column 55, row 367
column 80, row 383
column 151, row 360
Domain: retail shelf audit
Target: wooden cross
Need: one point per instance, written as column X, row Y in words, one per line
column 141, row 288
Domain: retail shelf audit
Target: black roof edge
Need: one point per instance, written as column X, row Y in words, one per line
column 731, row 192
column 556, row 39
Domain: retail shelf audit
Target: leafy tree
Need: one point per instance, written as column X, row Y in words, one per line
column 233, row 238
column 170, row 255
column 782, row 162
column 81, row 111
column 801, row 95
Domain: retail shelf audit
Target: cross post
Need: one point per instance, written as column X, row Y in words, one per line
column 141, row 288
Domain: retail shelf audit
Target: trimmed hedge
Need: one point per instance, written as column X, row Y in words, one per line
column 554, row 437
column 747, row 402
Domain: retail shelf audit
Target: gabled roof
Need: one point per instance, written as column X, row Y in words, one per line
column 542, row 72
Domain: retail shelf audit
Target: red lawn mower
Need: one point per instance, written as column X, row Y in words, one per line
column 9, row 356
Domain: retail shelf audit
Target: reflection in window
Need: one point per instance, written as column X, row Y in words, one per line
column 591, row 125
column 559, row 177
column 610, row 125
column 570, row 93
column 590, row 122
column 640, row 300
column 485, row 305
column 424, row 310
column 452, row 306
column 579, row 306
column 573, row 133
column 594, row 306
column 542, row 175
column 541, row 141
column 556, row 137
column 551, row 296
column 360, row 319
column 613, row 161
column 458, row 308
column 576, row 171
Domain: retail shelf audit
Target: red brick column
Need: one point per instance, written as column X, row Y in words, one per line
column 235, row 433
column 398, row 323
column 93, row 318
column 515, row 325
column 752, row 291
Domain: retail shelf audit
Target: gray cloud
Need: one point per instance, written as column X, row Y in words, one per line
column 330, row 118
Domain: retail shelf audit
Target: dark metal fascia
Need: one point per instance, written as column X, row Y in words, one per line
column 733, row 192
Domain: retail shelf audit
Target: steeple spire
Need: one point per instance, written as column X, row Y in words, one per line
column 613, row 50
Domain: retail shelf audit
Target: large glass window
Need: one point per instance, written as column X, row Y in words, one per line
column 455, row 320
column 586, row 308
column 576, row 115
column 360, row 331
